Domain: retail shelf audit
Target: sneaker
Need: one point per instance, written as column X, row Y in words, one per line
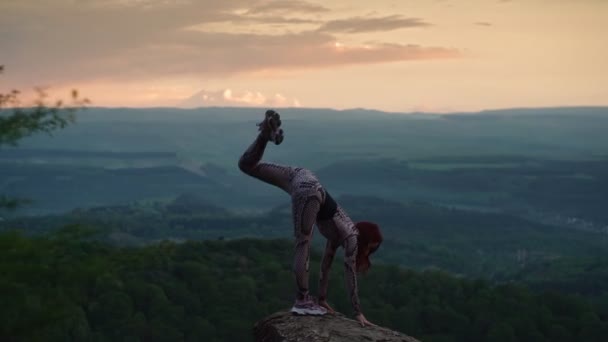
column 271, row 124
column 276, row 136
column 308, row 307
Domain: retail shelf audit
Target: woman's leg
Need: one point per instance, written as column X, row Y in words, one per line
column 271, row 173
column 305, row 209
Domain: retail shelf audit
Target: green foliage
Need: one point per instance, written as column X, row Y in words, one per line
column 495, row 246
column 17, row 122
column 12, row 203
column 41, row 117
column 61, row 288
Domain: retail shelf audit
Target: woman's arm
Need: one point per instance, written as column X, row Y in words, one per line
column 350, row 269
column 350, row 264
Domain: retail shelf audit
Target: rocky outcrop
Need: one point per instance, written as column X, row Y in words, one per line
column 285, row 327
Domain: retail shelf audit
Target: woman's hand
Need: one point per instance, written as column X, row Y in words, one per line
column 363, row 321
column 324, row 304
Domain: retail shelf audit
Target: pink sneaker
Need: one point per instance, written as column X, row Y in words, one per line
column 308, row 307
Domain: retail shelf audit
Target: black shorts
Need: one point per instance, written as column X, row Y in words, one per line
column 328, row 208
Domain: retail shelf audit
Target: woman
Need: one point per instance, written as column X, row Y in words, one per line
column 311, row 204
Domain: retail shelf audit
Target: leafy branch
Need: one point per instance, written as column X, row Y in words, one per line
column 17, row 121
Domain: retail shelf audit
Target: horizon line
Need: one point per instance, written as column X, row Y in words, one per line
column 416, row 112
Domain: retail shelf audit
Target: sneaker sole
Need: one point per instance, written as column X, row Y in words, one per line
column 278, row 137
column 307, row 312
column 273, row 122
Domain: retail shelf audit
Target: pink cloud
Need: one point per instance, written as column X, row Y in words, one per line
column 62, row 43
column 372, row 24
column 247, row 98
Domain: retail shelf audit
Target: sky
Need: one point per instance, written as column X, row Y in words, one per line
column 392, row 55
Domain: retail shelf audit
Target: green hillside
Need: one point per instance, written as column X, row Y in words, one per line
column 494, row 246
column 65, row 288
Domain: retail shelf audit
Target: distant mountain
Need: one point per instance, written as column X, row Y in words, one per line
column 193, row 204
column 420, row 235
column 550, row 111
column 485, row 161
column 57, row 188
column 219, row 135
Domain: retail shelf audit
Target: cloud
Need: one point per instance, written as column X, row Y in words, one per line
column 362, row 24
column 154, row 39
column 247, row 98
column 273, row 20
column 224, row 54
column 243, row 23
column 287, row 7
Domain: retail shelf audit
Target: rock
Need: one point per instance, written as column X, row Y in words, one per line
column 284, row 326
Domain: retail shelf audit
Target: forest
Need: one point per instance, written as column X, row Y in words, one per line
column 493, row 246
column 69, row 287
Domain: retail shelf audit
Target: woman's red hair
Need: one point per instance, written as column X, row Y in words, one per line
column 369, row 233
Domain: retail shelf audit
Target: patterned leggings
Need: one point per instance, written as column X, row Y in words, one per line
column 307, row 197
column 305, row 207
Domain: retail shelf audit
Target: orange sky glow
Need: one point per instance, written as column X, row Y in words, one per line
column 393, row 55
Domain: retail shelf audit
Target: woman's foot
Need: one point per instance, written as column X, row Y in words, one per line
column 270, row 127
column 307, row 306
